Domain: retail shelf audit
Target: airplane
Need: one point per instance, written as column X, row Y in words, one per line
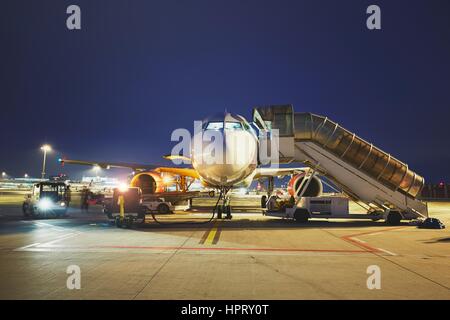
column 239, row 164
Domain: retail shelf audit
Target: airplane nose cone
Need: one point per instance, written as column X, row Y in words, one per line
column 229, row 159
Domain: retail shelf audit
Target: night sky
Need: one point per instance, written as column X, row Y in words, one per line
column 116, row 89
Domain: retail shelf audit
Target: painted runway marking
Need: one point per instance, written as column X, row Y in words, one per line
column 362, row 244
column 43, row 224
column 375, row 234
column 232, row 249
column 217, row 236
column 209, row 239
column 52, row 247
column 49, row 244
column 27, row 247
column 388, row 252
column 63, row 237
column 211, row 236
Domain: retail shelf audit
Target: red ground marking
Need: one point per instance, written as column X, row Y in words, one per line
column 367, row 247
column 348, row 238
column 230, row 249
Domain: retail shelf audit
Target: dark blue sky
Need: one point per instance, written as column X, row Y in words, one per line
column 116, row 89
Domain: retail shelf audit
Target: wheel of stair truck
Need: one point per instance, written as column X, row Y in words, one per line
column 301, row 215
column 394, row 218
column 263, row 201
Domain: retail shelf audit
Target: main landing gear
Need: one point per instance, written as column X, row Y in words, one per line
column 224, row 208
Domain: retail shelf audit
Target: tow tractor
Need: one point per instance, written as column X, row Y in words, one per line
column 48, row 198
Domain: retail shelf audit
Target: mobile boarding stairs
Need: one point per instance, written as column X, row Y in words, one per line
column 365, row 173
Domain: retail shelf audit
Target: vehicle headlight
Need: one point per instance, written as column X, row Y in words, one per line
column 45, row 204
column 63, row 204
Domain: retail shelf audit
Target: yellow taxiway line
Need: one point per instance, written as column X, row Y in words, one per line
column 211, row 236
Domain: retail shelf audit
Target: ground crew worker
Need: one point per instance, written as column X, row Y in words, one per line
column 68, row 196
column 121, row 204
column 85, row 195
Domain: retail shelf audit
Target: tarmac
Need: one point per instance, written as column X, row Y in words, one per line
column 249, row 257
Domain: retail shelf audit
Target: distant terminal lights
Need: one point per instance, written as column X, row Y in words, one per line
column 101, row 180
column 440, row 190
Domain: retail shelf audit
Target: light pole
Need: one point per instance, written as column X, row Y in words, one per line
column 3, row 174
column 46, row 148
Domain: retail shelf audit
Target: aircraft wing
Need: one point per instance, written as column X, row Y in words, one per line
column 276, row 172
column 107, row 165
column 187, row 172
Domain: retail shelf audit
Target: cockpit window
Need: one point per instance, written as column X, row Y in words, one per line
column 228, row 126
column 233, row 126
column 214, row 126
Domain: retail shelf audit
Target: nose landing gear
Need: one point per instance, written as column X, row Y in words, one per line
column 225, row 207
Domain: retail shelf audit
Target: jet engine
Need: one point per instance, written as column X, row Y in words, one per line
column 149, row 182
column 314, row 188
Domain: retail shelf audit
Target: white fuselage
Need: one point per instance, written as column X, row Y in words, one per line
column 226, row 160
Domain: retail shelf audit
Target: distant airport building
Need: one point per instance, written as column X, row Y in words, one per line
column 107, row 181
column 436, row 191
column 18, row 183
column 59, row 177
